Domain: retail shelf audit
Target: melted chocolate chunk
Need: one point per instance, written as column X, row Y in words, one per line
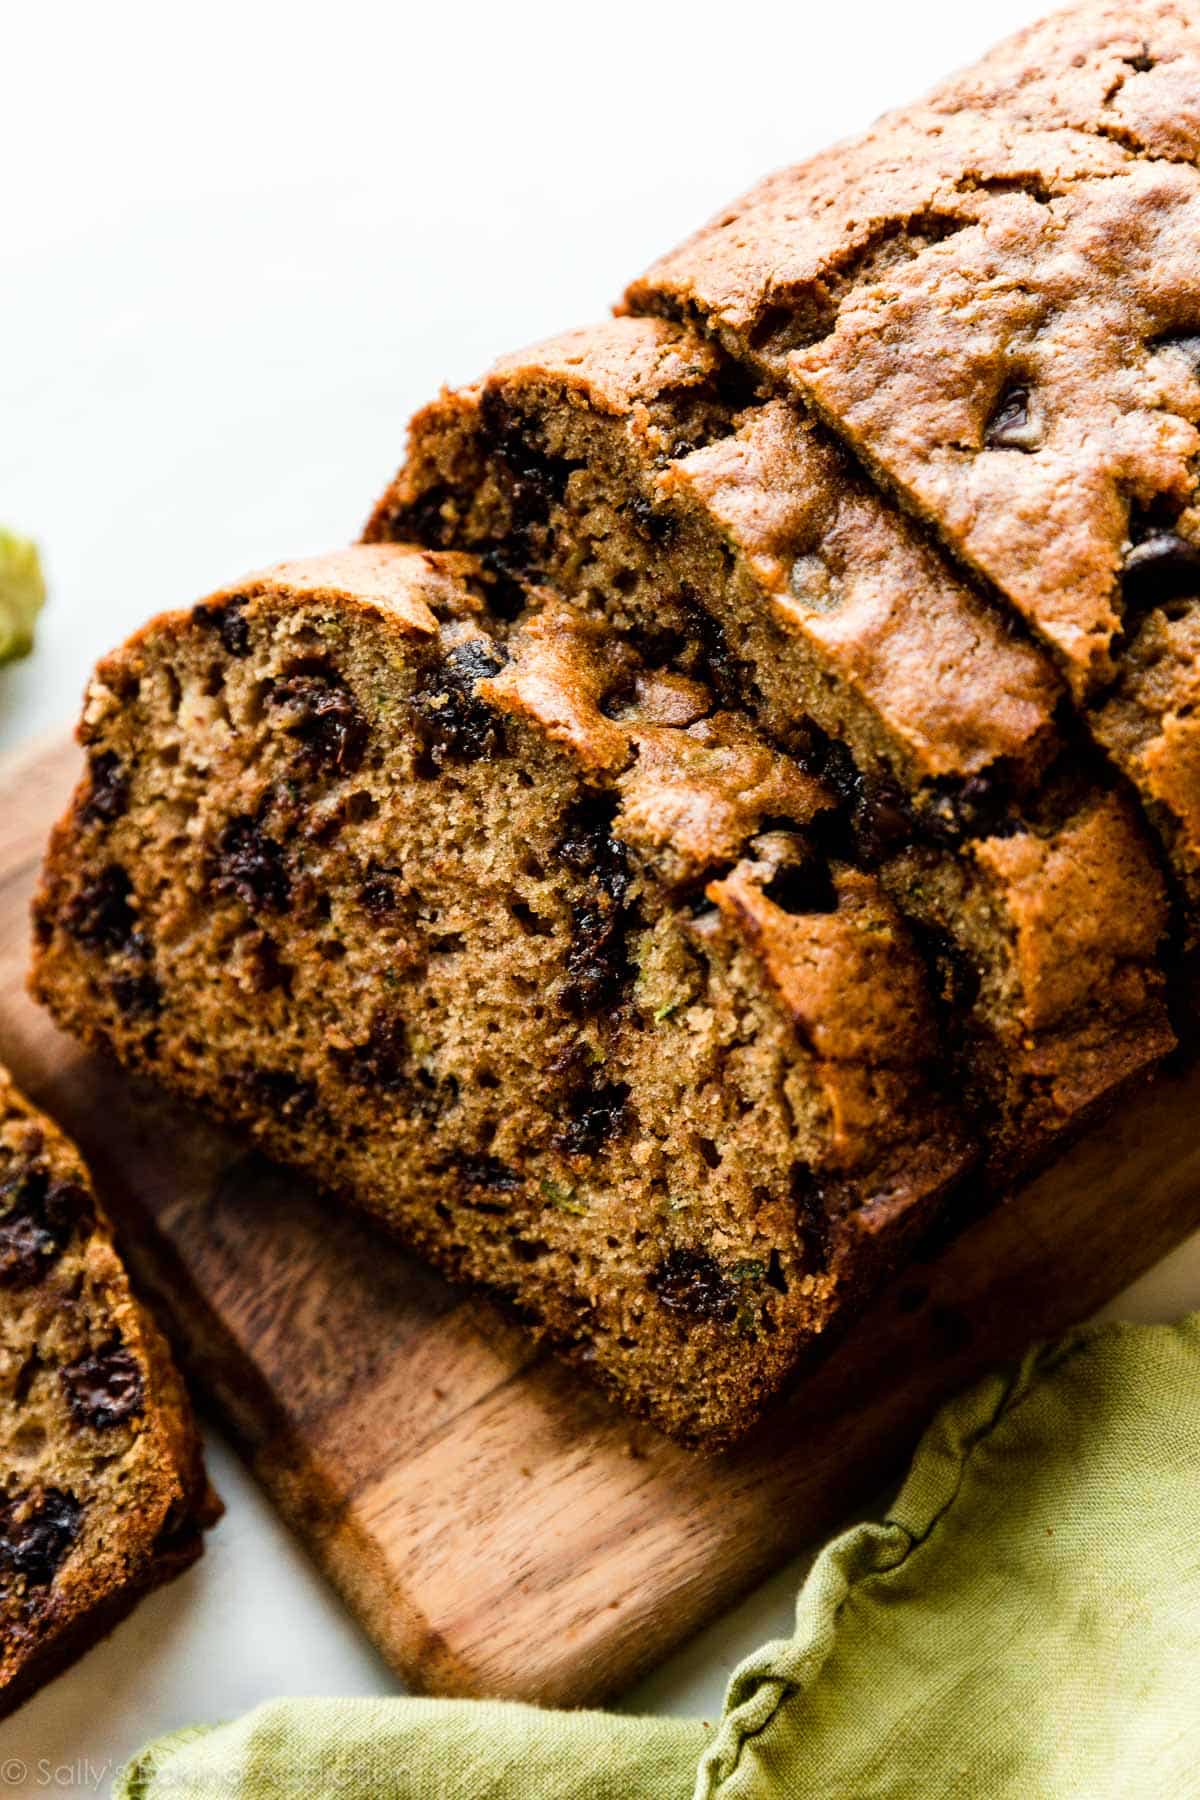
column 250, row 865
column 803, row 887
column 101, row 916
column 381, row 1062
column 1013, row 425
column 453, row 723
column 658, row 527
column 377, row 896
column 594, row 1115
column 108, row 797
column 1162, row 567
column 598, row 961
column 537, row 478
column 708, row 653
column 953, row 978
column 812, row 1218
column 37, row 1219
column 321, row 713
column 691, row 1284
column 587, row 844
column 480, row 1171
column 137, row 996
column 229, row 622
column 504, row 591
column 424, row 521
column 975, row 807
column 874, row 806
column 105, row 1387
column 280, row 1092
column 36, row 1534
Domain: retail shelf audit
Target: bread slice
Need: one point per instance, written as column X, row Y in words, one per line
column 734, row 541
column 102, row 1487
column 524, row 946
column 626, row 464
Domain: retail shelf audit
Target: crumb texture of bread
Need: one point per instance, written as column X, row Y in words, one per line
column 528, row 947
column 102, row 1487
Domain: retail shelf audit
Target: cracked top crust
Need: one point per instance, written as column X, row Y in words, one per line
column 976, row 294
column 1030, row 385
column 939, row 688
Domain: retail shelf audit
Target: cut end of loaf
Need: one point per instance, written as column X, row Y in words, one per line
column 523, row 945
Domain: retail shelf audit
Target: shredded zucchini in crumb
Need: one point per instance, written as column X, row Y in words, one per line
column 22, row 591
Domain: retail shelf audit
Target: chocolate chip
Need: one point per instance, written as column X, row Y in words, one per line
column 1162, row 567
column 691, row 1284
column 37, row 1219
column 381, row 1062
column 709, row 654
column 594, row 1115
column 100, row 916
column 953, row 977
column 108, row 795
column 803, row 887
column 586, row 844
column 321, row 713
column 597, row 960
column 36, row 1534
column 228, row 620
column 285, row 1095
column 537, row 477
column 250, row 865
column 425, row 520
column 503, row 589
column 812, row 1218
column 976, row 806
column 137, row 996
column 453, row 723
column 1013, row 425
column 105, row 1387
column 488, row 1172
column 658, row 527
column 377, row 896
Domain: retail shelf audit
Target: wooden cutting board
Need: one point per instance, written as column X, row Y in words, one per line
column 497, row 1528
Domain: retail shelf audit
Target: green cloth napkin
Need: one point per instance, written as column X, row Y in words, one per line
column 1025, row 1623
column 22, row 592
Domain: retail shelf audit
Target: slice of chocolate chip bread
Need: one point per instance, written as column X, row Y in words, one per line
column 628, row 465
column 102, row 1488
column 993, row 298
column 730, row 539
column 525, row 946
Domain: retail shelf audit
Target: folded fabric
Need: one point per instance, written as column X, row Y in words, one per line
column 1025, row 1623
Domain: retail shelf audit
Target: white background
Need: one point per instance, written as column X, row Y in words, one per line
column 239, row 243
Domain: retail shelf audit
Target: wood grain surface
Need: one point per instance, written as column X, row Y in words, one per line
column 497, row 1528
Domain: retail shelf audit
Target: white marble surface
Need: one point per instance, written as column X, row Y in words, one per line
column 238, row 244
